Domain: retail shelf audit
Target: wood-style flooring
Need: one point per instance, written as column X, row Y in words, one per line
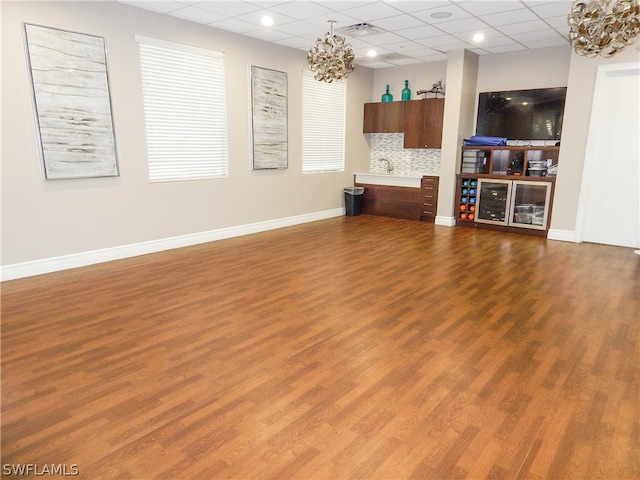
column 350, row 348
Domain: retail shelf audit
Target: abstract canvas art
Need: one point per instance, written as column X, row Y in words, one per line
column 269, row 118
column 72, row 103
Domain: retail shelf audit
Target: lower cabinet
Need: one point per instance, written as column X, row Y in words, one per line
column 429, row 198
column 388, row 201
column 514, row 205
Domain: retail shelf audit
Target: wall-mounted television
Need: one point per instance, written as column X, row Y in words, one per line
column 534, row 114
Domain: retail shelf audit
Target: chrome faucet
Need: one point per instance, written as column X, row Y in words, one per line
column 389, row 166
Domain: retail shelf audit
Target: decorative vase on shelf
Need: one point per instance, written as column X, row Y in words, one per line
column 387, row 97
column 406, row 92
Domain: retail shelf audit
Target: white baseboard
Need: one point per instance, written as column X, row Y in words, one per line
column 55, row 264
column 563, row 235
column 445, row 221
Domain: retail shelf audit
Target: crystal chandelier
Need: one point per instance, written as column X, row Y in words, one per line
column 603, row 27
column 331, row 58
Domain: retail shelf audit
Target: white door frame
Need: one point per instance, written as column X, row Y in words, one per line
column 595, row 124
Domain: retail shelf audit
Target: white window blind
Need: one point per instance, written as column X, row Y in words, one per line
column 185, row 110
column 323, row 125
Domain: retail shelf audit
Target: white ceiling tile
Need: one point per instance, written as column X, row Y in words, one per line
column 321, row 22
column 340, row 6
column 538, row 35
column 415, row 33
column 195, row 14
column 267, row 34
column 493, row 42
column 372, row 11
column 524, row 27
column 557, row 22
column 377, row 64
column 228, row 8
column 554, row 42
column 255, row 18
column 233, row 25
column 478, row 8
column 407, row 46
column 269, row 4
column 153, row 6
column 464, row 25
column 552, row 9
column 362, row 52
column 295, row 28
column 437, row 42
column 398, row 22
column 513, row 16
column 384, row 38
column 411, row 33
column 301, row 10
column 410, row 6
column 456, row 12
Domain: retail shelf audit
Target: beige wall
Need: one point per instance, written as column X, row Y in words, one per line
column 575, row 131
column 421, row 77
column 545, row 67
column 42, row 220
column 56, row 218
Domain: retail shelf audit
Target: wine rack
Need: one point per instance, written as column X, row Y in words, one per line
column 468, row 195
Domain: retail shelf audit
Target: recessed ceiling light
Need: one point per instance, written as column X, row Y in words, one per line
column 372, row 53
column 441, row 15
column 478, row 37
column 266, row 21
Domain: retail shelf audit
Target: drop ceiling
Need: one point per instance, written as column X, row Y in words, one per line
column 403, row 32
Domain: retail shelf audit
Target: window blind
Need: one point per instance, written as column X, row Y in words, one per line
column 185, row 110
column 323, row 125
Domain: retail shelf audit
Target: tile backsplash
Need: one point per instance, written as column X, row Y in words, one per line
column 405, row 161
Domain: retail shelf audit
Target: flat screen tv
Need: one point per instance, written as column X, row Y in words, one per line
column 522, row 114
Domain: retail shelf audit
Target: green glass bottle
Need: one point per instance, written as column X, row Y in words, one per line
column 387, row 97
column 406, row 92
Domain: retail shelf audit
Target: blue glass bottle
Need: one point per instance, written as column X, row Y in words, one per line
column 387, row 97
column 406, row 92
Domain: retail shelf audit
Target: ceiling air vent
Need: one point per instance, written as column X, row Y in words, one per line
column 360, row 30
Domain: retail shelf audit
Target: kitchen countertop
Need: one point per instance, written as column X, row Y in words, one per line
column 389, row 179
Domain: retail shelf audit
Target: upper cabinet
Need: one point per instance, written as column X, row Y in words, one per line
column 423, row 123
column 419, row 120
column 383, row 117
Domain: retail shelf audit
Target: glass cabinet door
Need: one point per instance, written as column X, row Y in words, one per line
column 493, row 201
column 530, row 204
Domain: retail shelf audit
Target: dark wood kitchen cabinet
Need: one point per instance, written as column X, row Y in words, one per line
column 419, row 120
column 429, row 198
column 383, row 117
column 423, row 121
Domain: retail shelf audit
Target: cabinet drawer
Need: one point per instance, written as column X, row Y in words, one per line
column 429, row 192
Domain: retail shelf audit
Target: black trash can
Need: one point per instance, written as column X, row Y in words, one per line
column 353, row 197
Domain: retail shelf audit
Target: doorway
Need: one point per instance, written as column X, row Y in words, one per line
column 610, row 199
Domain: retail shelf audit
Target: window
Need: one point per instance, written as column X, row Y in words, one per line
column 185, row 110
column 323, row 124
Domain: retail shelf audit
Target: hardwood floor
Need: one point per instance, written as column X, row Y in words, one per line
column 356, row 347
